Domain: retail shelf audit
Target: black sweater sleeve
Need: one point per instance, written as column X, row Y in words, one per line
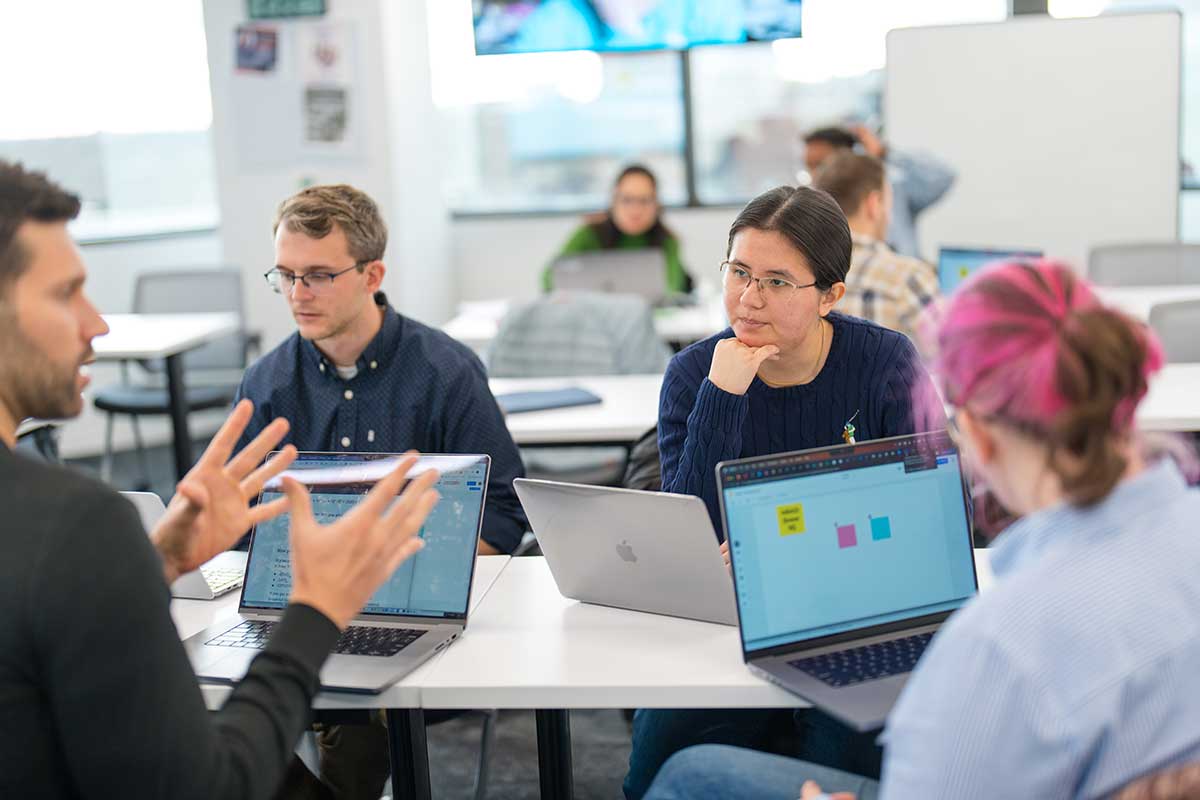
column 130, row 716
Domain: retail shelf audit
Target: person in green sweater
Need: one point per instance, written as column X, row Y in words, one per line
column 632, row 222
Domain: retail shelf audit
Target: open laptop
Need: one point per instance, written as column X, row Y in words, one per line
column 216, row 577
column 641, row 272
column 956, row 264
column 645, row 551
column 845, row 561
column 414, row 614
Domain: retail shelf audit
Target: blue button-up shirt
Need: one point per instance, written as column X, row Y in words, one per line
column 1078, row 672
column 416, row 388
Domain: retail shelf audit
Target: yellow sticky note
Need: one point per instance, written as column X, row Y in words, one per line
column 791, row 519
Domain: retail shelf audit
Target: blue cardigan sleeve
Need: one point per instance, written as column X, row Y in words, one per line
column 910, row 402
column 699, row 426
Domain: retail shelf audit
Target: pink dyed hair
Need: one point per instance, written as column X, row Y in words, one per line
column 1026, row 342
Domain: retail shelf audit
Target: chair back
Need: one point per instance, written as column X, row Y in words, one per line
column 578, row 333
column 1178, row 326
column 1145, row 264
column 1175, row 783
column 194, row 291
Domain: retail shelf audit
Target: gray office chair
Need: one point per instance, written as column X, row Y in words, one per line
column 212, row 371
column 1178, row 326
column 1144, row 264
column 577, row 333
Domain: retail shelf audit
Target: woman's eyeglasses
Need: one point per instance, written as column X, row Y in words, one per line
column 735, row 277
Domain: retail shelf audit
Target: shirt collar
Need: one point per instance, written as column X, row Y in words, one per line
column 374, row 355
column 1066, row 525
column 862, row 240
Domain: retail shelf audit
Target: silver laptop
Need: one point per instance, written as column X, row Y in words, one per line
column 845, row 561
column 641, row 272
column 645, row 551
column 414, row 614
column 216, row 577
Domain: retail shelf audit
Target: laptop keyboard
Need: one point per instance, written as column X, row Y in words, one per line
column 222, row 579
column 867, row 663
column 355, row 641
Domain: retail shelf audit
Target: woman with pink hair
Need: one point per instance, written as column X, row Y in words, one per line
column 1077, row 672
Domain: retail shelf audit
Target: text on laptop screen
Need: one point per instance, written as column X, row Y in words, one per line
column 956, row 264
column 843, row 539
column 434, row 583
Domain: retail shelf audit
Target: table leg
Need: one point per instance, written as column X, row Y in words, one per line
column 554, row 754
column 408, row 753
column 181, row 438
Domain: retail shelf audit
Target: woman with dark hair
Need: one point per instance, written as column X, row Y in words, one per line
column 790, row 373
column 1075, row 674
column 632, row 222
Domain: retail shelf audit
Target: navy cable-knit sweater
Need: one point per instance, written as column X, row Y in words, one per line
column 871, row 371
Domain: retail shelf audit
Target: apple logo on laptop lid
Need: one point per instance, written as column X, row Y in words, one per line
column 625, row 551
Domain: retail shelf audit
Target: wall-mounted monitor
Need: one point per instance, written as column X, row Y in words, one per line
column 534, row 26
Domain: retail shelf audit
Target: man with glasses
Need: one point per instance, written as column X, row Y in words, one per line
column 357, row 376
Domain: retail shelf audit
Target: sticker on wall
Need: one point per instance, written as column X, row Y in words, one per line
column 257, row 48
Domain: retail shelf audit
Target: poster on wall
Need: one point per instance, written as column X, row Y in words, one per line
column 325, row 115
column 257, row 48
column 327, row 73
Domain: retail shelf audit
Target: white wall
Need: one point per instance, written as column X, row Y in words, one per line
column 395, row 158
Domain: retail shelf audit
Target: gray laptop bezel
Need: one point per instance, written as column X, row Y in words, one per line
column 882, row 629
column 409, row 620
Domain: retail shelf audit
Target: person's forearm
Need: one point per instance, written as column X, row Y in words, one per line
column 713, row 435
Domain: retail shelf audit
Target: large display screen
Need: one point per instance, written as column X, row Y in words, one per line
column 534, row 26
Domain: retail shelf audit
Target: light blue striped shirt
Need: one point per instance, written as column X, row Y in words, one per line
column 1078, row 672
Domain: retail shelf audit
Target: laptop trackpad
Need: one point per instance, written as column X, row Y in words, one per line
column 223, row 663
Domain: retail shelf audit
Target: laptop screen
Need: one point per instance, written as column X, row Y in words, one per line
column 434, row 583
column 846, row 538
column 956, row 264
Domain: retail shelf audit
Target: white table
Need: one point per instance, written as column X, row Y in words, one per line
column 1136, row 301
column 1173, row 400
column 166, row 337
column 629, row 409
column 478, row 321
column 550, row 654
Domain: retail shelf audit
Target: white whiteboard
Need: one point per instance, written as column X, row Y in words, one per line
column 1064, row 133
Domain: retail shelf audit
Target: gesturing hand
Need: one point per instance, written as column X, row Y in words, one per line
column 870, row 142
column 337, row 567
column 734, row 364
column 211, row 507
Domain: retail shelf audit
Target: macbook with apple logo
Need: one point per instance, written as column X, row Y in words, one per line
column 643, row 551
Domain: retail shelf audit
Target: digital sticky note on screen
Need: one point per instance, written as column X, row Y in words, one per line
column 791, row 519
column 533, row 26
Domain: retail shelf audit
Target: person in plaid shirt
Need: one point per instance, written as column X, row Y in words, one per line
column 882, row 285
